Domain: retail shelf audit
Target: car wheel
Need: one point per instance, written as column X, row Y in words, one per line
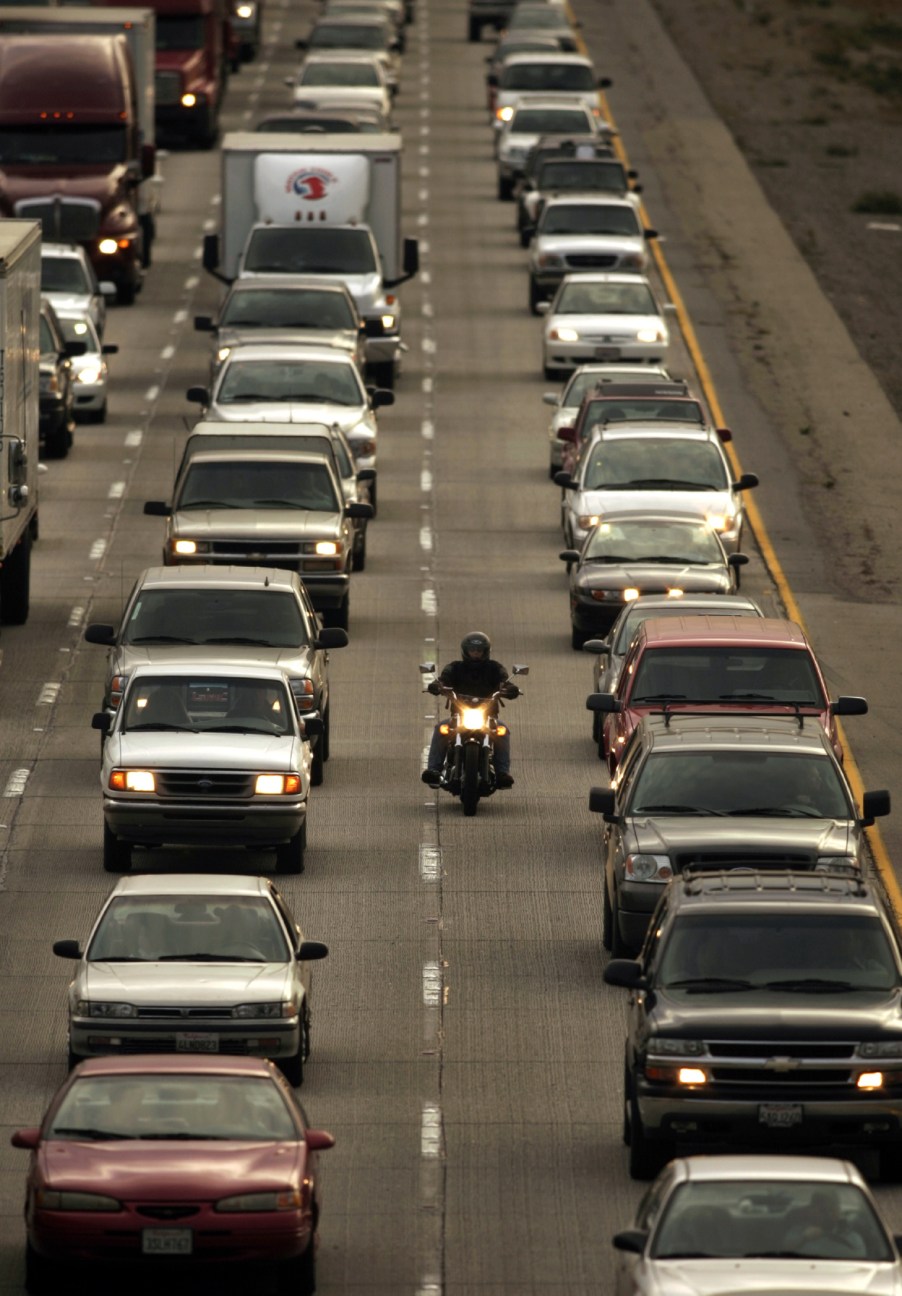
column 645, row 1158
column 290, row 856
column 891, row 1163
column 474, row 30
column 72, row 1059
column 117, row 855
column 525, row 236
column 535, row 297
column 505, row 188
column 126, row 293
column 15, row 583
column 297, row 1277
column 360, row 553
column 317, row 772
column 292, row 1068
column 57, row 442
column 618, row 946
column 607, row 918
column 324, row 736
column 627, row 1094
column 373, row 497
column 383, row 374
column 577, row 638
column 339, row 616
column 40, row 1273
column 552, row 375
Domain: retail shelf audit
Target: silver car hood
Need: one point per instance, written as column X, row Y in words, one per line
column 184, row 984
column 662, row 833
column 184, row 749
column 768, row 1278
column 366, row 289
column 279, row 411
column 293, row 661
column 612, row 244
column 248, row 523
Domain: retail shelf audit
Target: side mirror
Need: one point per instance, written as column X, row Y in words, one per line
column 211, row 253
column 543, row 307
column 550, row 398
column 332, row 637
column 109, row 348
column 604, row 702
column 520, row 670
column 148, row 161
column 26, row 1138
column 67, row 949
column 564, row 480
column 203, row 323
column 97, row 633
column 313, row 726
column 492, row 78
column 848, row 706
column 748, row 481
column 625, row 972
column 604, row 83
column 650, row 233
column 158, row 508
column 360, row 511
column 874, row 805
column 308, row 951
column 632, row 1240
column 198, row 395
column 569, row 556
column 597, row 646
column 319, row 1140
column 382, row 397
column 601, row 801
column 411, row 257
column 737, row 560
column 566, row 434
column 101, row 720
column 301, row 44
column 107, row 290
column 724, row 435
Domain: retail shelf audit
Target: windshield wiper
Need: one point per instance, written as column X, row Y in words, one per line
column 243, row 728
column 714, row 984
column 142, row 639
column 670, row 558
column 666, row 483
column 238, row 639
column 675, row 809
column 203, row 958
column 247, row 396
column 779, row 812
column 209, row 503
column 159, row 724
column 748, row 697
column 814, row 984
column 90, row 1133
column 184, row 1136
column 660, row 697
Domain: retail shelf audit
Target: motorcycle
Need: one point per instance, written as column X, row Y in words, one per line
column 471, row 729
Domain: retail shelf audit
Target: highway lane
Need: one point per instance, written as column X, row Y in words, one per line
column 466, row 1054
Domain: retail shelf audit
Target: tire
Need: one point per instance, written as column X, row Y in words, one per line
column 505, row 189
column 469, row 784
column 474, row 30
column 373, row 497
column 525, row 237
column 41, row 1277
column 290, row 856
column 126, row 293
column 577, row 639
column 292, row 1068
column 618, row 946
column 72, row 1059
column 148, row 233
column 596, row 727
column 383, row 374
column 297, row 1277
column 317, row 772
column 534, row 297
column 360, row 554
column 93, row 416
column 626, row 1133
column 607, row 918
column 117, row 855
column 645, row 1158
column 339, row 616
column 58, row 441
column 552, row 469
column 15, row 583
column 324, row 737
column 552, row 375
column 891, row 1163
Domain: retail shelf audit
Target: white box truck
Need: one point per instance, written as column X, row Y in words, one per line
column 20, row 307
column 138, row 26
column 320, row 205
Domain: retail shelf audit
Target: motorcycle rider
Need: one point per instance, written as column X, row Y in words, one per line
column 474, row 675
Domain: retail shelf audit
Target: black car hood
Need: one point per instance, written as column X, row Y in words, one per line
column 697, row 578
column 747, row 1014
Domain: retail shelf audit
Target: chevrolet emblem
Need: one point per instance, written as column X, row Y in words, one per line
column 782, row 1064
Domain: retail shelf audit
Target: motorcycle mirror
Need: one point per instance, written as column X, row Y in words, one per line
column 521, row 670
column 427, row 668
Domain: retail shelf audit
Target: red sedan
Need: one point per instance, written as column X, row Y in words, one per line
column 209, row 1159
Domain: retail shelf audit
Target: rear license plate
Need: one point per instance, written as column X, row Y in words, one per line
column 780, row 1115
column 607, row 353
column 196, row 1042
column 167, row 1241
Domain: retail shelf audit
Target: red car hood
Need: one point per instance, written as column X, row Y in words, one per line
column 177, row 1171
column 188, row 62
column 105, row 184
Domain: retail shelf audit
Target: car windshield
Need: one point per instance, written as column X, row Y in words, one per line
column 777, row 951
column 642, row 410
column 329, row 383
column 68, row 145
column 785, row 676
column 267, row 617
column 64, row 274
column 537, row 17
column 371, row 36
column 79, row 330
column 581, row 175
column 589, row 218
column 649, row 540
column 279, row 484
column 287, row 308
column 196, row 928
column 740, row 783
column 643, row 463
column 208, row 704
column 296, row 250
column 548, row 76
column 582, row 298
column 781, row 1219
column 545, row 121
column 173, row 1107
column 343, row 74
column 47, row 341
column 180, row 32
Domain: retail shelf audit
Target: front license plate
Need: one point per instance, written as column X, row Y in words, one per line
column 196, row 1042
column 607, row 353
column 780, row 1115
column 167, row 1241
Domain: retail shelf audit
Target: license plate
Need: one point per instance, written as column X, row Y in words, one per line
column 196, row 1042
column 780, row 1115
column 167, row 1241
column 607, row 353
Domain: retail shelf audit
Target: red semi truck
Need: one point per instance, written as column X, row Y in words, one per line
column 71, row 151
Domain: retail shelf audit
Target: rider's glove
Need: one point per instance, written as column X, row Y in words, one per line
column 433, row 688
column 511, row 691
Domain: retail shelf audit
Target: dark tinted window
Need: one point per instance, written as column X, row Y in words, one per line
column 647, row 461
column 545, row 121
column 54, row 145
column 784, row 675
column 269, row 617
column 245, row 484
column 322, row 251
column 794, row 785
column 287, row 308
column 589, row 218
column 547, row 76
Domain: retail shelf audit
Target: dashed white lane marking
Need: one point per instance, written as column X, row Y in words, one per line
column 426, row 278
column 427, row 427
column 16, row 783
column 151, row 394
column 426, row 386
column 429, row 1287
column 427, row 310
column 49, row 693
column 209, row 225
column 168, row 352
column 191, row 283
column 426, row 539
column 116, row 491
column 179, row 317
column 424, row 247
column 432, row 984
column 424, row 172
column 77, row 615
column 426, row 481
column 888, row 226
column 215, row 199
column 423, row 195
column 429, row 603
column 430, row 862
column 431, row 1131
column 98, row 549
column 135, row 437
column 429, row 345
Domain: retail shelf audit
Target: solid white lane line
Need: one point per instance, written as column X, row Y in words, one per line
column 431, row 1131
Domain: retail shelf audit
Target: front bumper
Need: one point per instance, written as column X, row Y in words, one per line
column 567, row 356
column 591, row 615
column 92, row 1037
column 636, row 904
column 53, row 415
column 193, row 823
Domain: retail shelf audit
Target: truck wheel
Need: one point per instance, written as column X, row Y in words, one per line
column 207, row 137
column 474, row 29
column 339, row 616
column 607, row 918
column 57, row 441
column 147, row 237
column 126, row 293
column 290, row 857
column 619, row 947
column 324, row 736
column 117, row 855
column 360, row 552
column 15, row 583
column 534, row 297
column 317, row 770
column 40, row 1274
column 645, row 1158
column 505, row 188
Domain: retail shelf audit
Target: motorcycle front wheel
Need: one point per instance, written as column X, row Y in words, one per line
column 469, row 783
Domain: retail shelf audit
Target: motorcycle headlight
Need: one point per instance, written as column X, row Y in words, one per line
column 107, row 246
column 648, row 868
column 49, row 1199
column 94, row 1008
column 245, row 11
column 472, row 718
column 269, row 1010
column 189, row 100
column 289, row 1199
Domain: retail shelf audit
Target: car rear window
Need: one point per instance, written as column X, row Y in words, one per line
column 275, row 250
column 729, row 675
column 547, row 77
column 589, row 218
column 547, row 121
column 286, row 308
column 268, row 617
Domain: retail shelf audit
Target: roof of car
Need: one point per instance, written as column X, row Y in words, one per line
column 673, row 389
column 192, row 884
column 559, row 56
column 218, row 576
column 293, row 284
column 721, row 602
column 773, row 1165
column 588, row 199
column 292, row 351
column 216, row 669
column 263, row 426
column 63, row 249
column 773, row 888
column 246, row 455
column 173, row 1064
column 536, row 102
column 722, row 731
column 627, row 429
column 606, row 276
column 705, row 631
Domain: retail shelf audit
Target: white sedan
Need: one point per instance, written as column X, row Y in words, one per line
column 610, row 317
column 327, row 79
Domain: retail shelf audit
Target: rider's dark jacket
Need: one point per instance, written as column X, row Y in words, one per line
column 478, row 679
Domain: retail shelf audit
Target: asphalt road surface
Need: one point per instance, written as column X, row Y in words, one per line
column 466, row 1053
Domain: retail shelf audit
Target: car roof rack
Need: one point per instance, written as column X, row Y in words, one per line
column 670, row 711
column 792, row 880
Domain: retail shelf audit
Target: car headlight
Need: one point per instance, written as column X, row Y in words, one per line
column 634, row 261
column 630, row 594
column 96, row 1008
column 245, row 11
column 648, row 868
column 188, row 100
column 183, row 548
column 504, row 114
column 651, row 335
column 108, row 246
column 304, row 694
column 288, row 1199
column 718, row 521
column 132, row 780
column 664, row 1046
column 90, row 374
column 50, row 1199
column 389, row 321
column 880, row 1048
column 364, row 448
column 223, row 354
column 287, row 1009
column 550, row 261
column 563, row 335
column 837, row 864
column 472, row 717
column 588, row 520
column 326, row 547
column 277, row 784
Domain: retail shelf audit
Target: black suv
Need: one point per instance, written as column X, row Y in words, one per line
column 766, row 1010
column 56, row 420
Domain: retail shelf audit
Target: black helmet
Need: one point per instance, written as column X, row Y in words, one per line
column 476, row 642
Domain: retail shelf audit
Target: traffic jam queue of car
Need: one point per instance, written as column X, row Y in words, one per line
column 763, row 967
